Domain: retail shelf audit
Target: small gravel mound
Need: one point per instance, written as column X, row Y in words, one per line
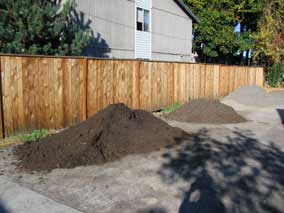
column 256, row 96
column 249, row 95
column 206, row 111
column 109, row 135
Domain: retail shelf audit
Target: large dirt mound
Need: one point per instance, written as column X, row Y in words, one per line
column 109, row 135
column 205, row 111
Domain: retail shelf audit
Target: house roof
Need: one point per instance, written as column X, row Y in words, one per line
column 187, row 10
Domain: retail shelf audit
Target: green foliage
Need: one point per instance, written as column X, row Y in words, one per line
column 269, row 40
column 41, row 27
column 171, row 108
column 215, row 39
column 34, row 136
column 275, row 75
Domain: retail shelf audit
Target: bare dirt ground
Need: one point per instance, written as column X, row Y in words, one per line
column 220, row 168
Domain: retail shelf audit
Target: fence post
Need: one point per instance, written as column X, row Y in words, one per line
column 84, row 90
column 2, row 129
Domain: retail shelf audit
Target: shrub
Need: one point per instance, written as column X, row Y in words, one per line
column 275, row 75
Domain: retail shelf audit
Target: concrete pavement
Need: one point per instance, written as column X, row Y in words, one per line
column 15, row 198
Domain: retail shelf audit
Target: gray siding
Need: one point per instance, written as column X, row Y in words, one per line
column 113, row 24
column 171, row 32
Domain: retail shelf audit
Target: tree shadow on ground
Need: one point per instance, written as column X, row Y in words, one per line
column 236, row 175
column 153, row 210
column 3, row 208
column 97, row 45
column 281, row 114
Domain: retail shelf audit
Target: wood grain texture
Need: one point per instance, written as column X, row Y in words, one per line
column 53, row 92
column 2, row 131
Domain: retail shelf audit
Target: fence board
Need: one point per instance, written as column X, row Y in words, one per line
column 2, row 131
column 59, row 83
column 202, row 79
column 259, row 77
column 209, row 81
column 216, row 70
column 145, row 85
column 46, row 92
column 223, row 81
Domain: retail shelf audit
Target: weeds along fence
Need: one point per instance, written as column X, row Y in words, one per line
column 56, row 92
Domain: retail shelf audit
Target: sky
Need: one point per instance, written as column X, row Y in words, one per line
column 238, row 28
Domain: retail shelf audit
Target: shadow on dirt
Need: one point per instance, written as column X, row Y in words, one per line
column 281, row 114
column 236, row 175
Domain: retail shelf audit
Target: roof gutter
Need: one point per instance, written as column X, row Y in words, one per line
column 185, row 8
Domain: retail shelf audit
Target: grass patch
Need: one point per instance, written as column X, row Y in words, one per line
column 172, row 108
column 34, row 136
column 22, row 138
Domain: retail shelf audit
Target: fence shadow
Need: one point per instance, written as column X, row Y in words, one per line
column 236, row 175
column 281, row 114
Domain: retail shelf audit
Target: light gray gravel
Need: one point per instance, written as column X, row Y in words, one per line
column 256, row 96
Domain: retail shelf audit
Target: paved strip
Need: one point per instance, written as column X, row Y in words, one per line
column 17, row 199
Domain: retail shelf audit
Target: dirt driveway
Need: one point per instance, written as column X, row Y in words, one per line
column 229, row 168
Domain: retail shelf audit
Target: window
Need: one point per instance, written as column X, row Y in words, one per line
column 146, row 21
column 143, row 20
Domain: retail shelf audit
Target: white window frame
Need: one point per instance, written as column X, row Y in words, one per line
column 143, row 21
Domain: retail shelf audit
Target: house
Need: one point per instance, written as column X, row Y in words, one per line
column 139, row 29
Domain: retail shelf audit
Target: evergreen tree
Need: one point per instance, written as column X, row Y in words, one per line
column 44, row 27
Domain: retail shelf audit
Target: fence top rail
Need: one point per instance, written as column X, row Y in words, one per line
column 117, row 59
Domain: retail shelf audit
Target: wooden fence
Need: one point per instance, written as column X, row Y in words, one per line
column 53, row 92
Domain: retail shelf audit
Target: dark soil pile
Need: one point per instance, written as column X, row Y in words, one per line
column 107, row 136
column 205, row 111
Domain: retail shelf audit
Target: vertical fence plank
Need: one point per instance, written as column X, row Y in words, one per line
column 145, row 85
column 7, row 90
column 209, row 81
column 84, row 89
column 202, row 80
column 216, row 71
column 136, row 87
column 259, row 76
column 176, row 82
column 171, row 83
column 58, row 87
column 231, row 79
column 223, row 81
column 91, row 88
column 196, row 75
column 2, row 131
column 251, row 75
